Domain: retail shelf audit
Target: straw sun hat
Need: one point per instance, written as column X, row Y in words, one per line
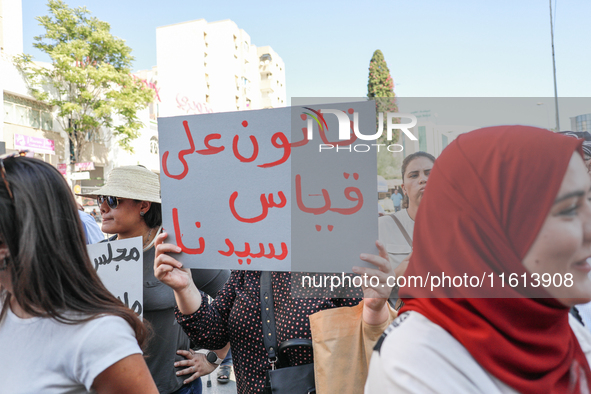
column 133, row 182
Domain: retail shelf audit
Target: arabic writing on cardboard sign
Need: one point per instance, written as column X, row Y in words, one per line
column 238, row 194
column 119, row 264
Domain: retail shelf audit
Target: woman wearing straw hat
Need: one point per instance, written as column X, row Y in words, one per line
column 130, row 207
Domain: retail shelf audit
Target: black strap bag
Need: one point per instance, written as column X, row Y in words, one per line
column 282, row 378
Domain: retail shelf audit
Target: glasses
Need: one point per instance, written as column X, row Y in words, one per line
column 112, row 202
column 3, row 169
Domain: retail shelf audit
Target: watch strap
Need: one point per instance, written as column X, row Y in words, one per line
column 208, row 354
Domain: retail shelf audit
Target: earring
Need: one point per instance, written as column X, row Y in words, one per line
column 142, row 214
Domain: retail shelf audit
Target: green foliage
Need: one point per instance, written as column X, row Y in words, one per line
column 380, row 83
column 89, row 80
column 380, row 87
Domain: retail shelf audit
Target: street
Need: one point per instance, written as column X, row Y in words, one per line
column 217, row 388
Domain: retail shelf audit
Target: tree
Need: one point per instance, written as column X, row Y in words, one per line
column 380, row 87
column 380, row 83
column 89, row 80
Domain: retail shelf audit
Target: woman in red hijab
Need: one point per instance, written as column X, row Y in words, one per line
column 501, row 201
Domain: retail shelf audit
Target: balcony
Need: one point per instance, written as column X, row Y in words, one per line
column 265, row 69
column 267, row 85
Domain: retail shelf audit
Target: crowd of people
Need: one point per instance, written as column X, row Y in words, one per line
column 130, row 207
column 505, row 200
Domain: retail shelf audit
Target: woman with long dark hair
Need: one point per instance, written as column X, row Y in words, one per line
column 60, row 328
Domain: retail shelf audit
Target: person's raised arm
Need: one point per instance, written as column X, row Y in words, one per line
column 170, row 271
column 375, row 305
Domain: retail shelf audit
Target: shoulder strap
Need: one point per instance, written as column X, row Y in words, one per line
column 268, row 315
column 112, row 238
column 402, row 229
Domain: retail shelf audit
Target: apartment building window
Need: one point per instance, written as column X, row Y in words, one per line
column 27, row 113
column 423, row 138
column 34, row 118
column 26, row 116
column 154, row 145
column 8, row 108
column 46, row 121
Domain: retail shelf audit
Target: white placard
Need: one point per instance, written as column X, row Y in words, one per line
column 230, row 184
column 119, row 264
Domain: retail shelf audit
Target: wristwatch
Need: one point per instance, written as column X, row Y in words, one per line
column 211, row 357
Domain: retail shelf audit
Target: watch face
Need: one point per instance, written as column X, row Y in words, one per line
column 211, row 357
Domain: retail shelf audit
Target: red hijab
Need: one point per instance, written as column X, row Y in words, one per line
column 488, row 196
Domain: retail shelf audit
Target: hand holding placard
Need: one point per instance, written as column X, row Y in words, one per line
column 171, row 272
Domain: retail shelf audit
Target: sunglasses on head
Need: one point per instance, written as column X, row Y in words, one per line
column 112, row 202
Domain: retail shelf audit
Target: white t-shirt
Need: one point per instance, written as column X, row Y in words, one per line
column 389, row 234
column 41, row 355
column 585, row 312
column 418, row 356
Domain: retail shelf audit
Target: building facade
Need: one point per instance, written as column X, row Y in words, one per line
column 213, row 67
column 24, row 121
column 581, row 123
column 202, row 67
